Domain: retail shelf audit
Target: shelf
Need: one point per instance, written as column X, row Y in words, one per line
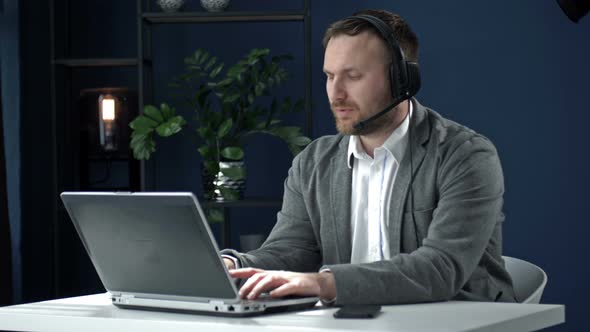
column 113, row 157
column 246, row 202
column 100, row 62
column 200, row 17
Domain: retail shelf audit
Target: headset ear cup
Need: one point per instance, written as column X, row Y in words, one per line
column 414, row 81
column 394, row 82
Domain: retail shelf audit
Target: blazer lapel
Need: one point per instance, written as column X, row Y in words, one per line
column 340, row 198
column 418, row 136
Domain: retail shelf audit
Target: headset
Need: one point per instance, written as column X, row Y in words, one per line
column 404, row 78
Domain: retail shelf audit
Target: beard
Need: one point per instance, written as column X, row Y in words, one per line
column 347, row 126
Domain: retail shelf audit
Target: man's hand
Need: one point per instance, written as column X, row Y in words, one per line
column 229, row 263
column 282, row 283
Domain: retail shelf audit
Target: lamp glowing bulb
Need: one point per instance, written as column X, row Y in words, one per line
column 108, row 109
column 106, row 121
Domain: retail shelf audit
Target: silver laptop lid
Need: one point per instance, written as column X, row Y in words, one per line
column 150, row 244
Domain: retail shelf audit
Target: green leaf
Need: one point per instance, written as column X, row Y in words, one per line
column 263, row 125
column 234, row 71
column 260, row 52
column 224, row 128
column 136, row 138
column 216, row 70
column 253, row 60
column 233, row 153
column 204, row 57
column 142, row 130
column 229, row 194
column 211, row 62
column 286, row 132
column 205, row 133
column 142, row 122
column 299, row 140
column 167, row 111
column 230, row 99
column 225, row 82
column 142, row 145
column 259, row 89
column 197, row 56
column 205, row 151
column 234, row 173
column 171, row 127
column 250, row 98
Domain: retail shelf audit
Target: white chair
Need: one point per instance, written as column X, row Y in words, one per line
column 528, row 279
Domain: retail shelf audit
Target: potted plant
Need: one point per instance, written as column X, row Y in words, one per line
column 230, row 105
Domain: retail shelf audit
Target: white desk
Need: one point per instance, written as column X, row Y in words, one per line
column 96, row 313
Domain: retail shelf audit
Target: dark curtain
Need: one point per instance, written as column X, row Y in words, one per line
column 5, row 250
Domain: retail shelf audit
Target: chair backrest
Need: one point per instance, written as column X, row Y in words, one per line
column 528, row 279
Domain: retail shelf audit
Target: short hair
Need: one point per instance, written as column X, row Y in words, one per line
column 403, row 34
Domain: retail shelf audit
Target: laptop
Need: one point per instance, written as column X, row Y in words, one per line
column 156, row 251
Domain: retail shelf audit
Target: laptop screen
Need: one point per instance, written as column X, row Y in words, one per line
column 150, row 243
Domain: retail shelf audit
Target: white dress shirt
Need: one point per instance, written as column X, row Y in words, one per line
column 372, row 184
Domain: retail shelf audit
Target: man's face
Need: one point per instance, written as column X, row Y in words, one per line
column 357, row 81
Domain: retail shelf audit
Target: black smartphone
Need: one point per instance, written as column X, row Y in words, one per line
column 358, row 311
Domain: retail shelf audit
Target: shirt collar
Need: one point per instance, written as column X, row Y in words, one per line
column 396, row 142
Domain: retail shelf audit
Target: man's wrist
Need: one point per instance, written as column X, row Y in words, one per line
column 327, row 285
column 235, row 263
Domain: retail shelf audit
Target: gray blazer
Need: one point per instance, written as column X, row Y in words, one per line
column 455, row 216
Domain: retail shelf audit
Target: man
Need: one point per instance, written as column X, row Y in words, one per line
column 400, row 208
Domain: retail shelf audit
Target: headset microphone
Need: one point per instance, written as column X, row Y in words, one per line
column 363, row 124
